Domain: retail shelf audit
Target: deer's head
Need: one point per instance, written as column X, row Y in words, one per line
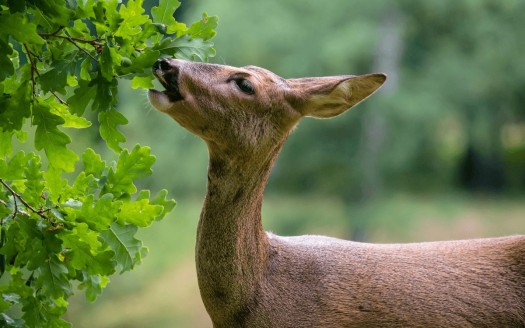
column 250, row 109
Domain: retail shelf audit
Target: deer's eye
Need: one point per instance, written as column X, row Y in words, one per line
column 245, row 86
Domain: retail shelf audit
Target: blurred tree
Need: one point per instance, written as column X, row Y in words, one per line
column 456, row 84
column 458, row 71
column 469, row 49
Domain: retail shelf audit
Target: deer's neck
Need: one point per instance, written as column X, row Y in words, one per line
column 232, row 246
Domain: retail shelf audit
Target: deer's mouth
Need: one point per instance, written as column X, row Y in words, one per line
column 164, row 100
column 170, row 81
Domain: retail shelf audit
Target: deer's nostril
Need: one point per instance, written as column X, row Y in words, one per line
column 162, row 65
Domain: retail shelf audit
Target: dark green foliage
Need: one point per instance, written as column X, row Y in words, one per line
column 59, row 62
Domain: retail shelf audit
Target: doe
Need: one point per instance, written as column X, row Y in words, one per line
column 250, row 278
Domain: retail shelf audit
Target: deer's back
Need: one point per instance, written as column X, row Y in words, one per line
column 315, row 281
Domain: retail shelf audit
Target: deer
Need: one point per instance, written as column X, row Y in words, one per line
column 252, row 278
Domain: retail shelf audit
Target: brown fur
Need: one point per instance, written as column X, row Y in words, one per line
column 250, row 278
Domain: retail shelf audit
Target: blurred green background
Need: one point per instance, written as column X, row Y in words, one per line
column 438, row 153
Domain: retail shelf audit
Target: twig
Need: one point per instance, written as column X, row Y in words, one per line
column 95, row 43
column 62, row 101
column 80, row 48
column 29, row 207
column 33, row 69
column 58, row 30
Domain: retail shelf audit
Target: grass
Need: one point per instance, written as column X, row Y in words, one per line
column 163, row 291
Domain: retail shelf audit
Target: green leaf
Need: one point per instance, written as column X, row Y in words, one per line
column 93, row 284
column 19, row 28
column 133, row 17
column 31, row 308
column 106, row 64
column 98, row 92
column 21, row 136
column 85, row 69
column 205, row 28
column 53, row 279
column 106, row 93
column 109, row 120
column 84, row 185
column 184, row 48
column 40, row 20
column 98, row 214
column 55, row 11
column 85, row 251
column 106, row 17
column 7, row 321
column 5, row 143
column 11, row 298
column 16, row 6
column 14, row 242
column 14, row 170
column 55, row 184
column 34, row 183
column 27, row 244
column 6, row 66
column 167, row 204
column 82, row 233
column 144, row 82
column 70, row 120
column 82, row 97
column 130, row 166
column 79, row 28
column 54, row 309
column 51, row 139
column 140, row 213
column 15, row 107
column 85, row 8
column 163, row 14
column 55, row 79
column 93, row 163
column 72, row 81
column 17, row 286
column 121, row 239
column 140, row 63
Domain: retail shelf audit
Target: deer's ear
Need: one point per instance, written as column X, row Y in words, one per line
column 327, row 97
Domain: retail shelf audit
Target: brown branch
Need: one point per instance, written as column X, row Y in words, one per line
column 60, row 100
column 58, row 30
column 14, row 198
column 33, row 69
column 26, row 204
column 81, row 49
column 95, row 43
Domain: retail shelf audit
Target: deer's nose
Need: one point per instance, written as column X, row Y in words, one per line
column 162, row 64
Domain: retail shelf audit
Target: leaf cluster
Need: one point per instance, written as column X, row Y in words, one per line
column 73, row 217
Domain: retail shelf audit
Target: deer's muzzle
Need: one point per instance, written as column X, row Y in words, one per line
column 168, row 76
